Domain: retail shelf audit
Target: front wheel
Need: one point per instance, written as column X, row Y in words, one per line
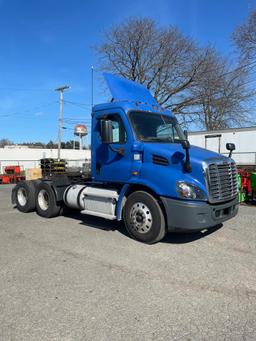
column 143, row 217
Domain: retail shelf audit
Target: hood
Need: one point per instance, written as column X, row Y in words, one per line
column 175, row 155
column 169, row 150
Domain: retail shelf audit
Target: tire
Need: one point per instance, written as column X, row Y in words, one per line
column 46, row 205
column 144, row 218
column 24, row 196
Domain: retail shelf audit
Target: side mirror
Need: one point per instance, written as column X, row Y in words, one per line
column 106, row 131
column 185, row 132
column 230, row 147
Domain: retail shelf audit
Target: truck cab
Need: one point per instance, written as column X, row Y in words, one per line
column 144, row 171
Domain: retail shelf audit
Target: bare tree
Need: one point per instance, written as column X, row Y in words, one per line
column 161, row 59
column 4, row 142
column 191, row 81
column 221, row 94
column 245, row 38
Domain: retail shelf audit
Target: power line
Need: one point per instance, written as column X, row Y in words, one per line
column 76, row 119
column 82, row 105
column 75, row 123
column 73, row 102
column 67, row 128
column 29, row 110
column 23, row 89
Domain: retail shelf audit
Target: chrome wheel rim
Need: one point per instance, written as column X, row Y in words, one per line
column 43, row 199
column 141, row 218
column 22, row 196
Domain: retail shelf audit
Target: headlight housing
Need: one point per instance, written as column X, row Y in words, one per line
column 186, row 190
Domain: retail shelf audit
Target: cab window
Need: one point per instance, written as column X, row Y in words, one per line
column 118, row 131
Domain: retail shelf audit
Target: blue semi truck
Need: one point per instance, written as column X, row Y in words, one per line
column 143, row 171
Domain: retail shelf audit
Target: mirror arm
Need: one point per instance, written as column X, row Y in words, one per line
column 187, row 164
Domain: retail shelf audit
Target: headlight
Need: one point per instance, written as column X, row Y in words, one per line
column 189, row 191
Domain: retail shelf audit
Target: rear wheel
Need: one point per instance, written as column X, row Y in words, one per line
column 46, row 205
column 144, row 219
column 24, row 196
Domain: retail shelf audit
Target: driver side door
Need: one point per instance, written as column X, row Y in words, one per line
column 113, row 161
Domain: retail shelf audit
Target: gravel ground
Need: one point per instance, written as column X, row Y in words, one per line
column 82, row 278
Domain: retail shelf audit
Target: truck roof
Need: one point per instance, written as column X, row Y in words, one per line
column 131, row 106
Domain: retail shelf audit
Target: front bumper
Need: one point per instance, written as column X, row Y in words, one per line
column 192, row 215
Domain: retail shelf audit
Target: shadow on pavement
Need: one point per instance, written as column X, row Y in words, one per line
column 113, row 225
column 188, row 237
column 94, row 222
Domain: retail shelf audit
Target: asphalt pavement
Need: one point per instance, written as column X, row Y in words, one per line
column 76, row 277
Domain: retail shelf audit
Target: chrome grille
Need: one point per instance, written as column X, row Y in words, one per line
column 221, row 181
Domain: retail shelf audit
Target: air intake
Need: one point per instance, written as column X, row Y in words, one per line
column 222, row 181
column 160, row 160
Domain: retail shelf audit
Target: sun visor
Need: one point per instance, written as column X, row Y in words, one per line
column 125, row 90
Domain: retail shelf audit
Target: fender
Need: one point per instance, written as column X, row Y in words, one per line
column 121, row 201
column 58, row 185
column 127, row 189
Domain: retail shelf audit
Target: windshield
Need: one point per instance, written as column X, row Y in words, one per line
column 150, row 127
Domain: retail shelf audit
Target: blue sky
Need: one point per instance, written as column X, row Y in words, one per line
column 45, row 44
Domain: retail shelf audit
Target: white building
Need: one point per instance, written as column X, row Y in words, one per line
column 243, row 138
column 30, row 157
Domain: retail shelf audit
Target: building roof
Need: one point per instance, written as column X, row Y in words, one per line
column 228, row 130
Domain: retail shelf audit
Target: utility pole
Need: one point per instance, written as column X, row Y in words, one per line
column 61, row 90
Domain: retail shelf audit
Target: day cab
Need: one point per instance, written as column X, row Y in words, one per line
column 144, row 171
